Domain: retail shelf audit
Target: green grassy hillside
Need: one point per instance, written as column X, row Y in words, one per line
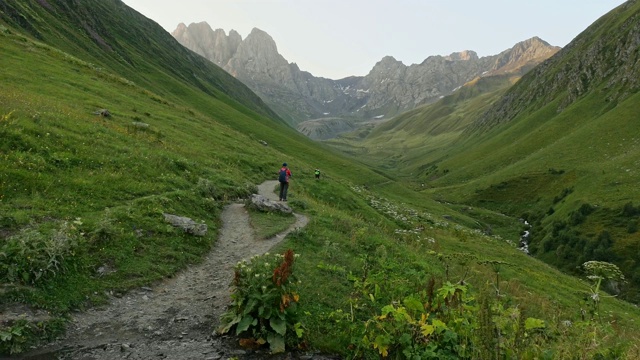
column 416, row 140
column 562, row 139
column 82, row 198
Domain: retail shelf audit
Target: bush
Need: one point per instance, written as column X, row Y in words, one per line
column 20, row 335
column 450, row 324
column 628, row 210
column 31, row 256
column 264, row 302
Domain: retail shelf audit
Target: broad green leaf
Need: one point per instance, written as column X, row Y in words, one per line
column 439, row 325
column 5, row 336
column 244, row 324
column 405, row 339
column 224, row 329
column 413, row 304
column 278, row 325
column 382, row 344
column 276, row 343
column 388, row 309
column 533, row 323
column 268, row 311
column 426, row 330
column 251, row 305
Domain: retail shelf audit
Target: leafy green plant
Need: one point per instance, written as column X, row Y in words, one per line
column 264, row 302
column 17, row 336
column 597, row 272
column 425, row 328
column 33, row 255
column 444, row 325
column 496, row 266
column 13, row 338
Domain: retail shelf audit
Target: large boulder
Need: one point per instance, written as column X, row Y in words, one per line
column 261, row 203
column 189, row 226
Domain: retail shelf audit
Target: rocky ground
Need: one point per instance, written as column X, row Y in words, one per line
column 174, row 319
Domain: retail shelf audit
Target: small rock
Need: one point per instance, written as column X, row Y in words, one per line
column 187, row 224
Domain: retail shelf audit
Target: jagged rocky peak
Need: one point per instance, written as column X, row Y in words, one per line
column 214, row 45
column 465, row 55
column 195, row 31
column 534, row 48
column 258, row 54
column 260, row 42
column 387, row 62
column 180, row 29
column 523, row 55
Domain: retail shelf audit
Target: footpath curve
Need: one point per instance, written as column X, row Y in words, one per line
column 175, row 318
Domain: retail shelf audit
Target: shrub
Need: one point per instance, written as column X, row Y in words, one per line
column 206, row 188
column 450, row 324
column 14, row 338
column 264, row 302
column 565, row 192
column 628, row 210
column 32, row 255
column 19, row 335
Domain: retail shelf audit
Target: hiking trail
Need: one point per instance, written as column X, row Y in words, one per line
column 175, row 318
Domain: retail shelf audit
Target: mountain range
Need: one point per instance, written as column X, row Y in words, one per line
column 414, row 246
column 322, row 108
column 558, row 147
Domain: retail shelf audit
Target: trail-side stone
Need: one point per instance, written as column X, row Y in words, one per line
column 261, row 203
column 186, row 224
column 102, row 112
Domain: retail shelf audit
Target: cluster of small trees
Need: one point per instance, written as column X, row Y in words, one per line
column 567, row 243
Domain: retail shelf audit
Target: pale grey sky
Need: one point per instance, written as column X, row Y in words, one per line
column 340, row 38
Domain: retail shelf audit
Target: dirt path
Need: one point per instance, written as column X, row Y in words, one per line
column 174, row 319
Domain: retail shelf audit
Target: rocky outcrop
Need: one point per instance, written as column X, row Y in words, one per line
column 263, row 204
column 213, row 45
column 188, row 225
column 523, row 56
column 390, row 87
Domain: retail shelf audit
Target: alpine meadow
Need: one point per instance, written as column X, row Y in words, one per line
column 499, row 222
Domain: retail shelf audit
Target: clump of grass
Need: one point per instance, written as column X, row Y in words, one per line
column 34, row 254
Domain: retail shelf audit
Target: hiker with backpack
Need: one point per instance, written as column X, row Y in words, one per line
column 283, row 177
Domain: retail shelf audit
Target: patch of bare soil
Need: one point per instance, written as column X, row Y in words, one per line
column 176, row 318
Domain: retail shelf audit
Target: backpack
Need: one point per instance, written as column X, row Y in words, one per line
column 283, row 175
